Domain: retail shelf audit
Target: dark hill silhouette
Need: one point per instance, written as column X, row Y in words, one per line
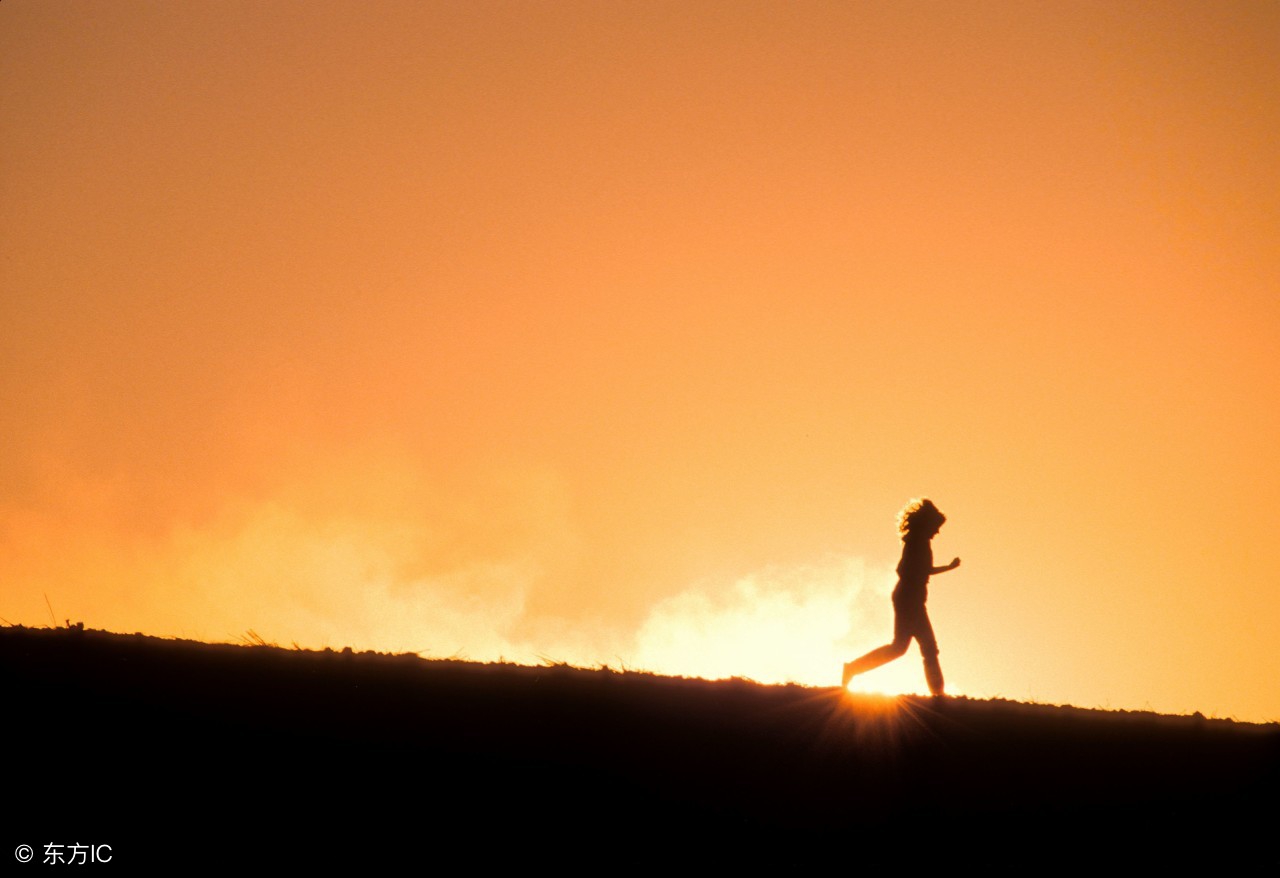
column 176, row 752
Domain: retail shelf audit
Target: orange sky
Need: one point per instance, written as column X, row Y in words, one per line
column 619, row 333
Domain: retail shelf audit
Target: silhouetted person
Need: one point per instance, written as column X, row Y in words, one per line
column 918, row 523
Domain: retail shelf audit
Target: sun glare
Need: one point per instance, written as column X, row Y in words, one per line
column 901, row 677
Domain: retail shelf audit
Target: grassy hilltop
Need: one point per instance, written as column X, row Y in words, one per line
column 166, row 748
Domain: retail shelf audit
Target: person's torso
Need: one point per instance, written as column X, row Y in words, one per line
column 913, row 569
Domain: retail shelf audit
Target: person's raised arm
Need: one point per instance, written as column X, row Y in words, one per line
column 955, row 562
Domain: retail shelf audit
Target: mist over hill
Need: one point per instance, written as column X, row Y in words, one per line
column 179, row 752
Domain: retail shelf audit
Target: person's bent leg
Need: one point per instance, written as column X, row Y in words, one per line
column 882, row 655
column 874, row 659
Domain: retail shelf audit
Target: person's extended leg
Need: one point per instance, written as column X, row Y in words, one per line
column 929, row 651
column 884, row 654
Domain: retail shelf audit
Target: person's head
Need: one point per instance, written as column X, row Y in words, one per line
column 920, row 518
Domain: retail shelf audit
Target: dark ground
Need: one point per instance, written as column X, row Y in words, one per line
column 177, row 753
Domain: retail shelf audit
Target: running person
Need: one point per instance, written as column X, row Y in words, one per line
column 918, row 523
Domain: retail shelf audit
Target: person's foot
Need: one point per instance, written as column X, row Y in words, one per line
column 848, row 675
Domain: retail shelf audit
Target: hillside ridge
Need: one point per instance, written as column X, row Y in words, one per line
column 221, row 730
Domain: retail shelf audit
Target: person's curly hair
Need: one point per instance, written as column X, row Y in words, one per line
column 920, row 516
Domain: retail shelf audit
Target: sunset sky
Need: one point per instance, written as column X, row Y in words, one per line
column 619, row 332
